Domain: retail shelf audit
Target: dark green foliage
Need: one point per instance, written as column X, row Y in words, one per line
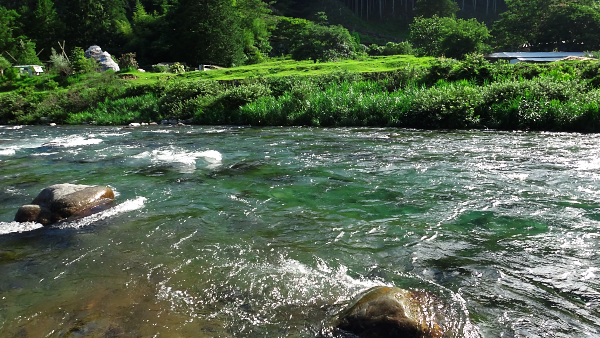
column 4, row 65
column 11, row 74
column 93, row 22
column 8, row 24
column 179, row 99
column 449, row 37
column 208, row 32
column 45, row 27
column 546, row 25
column 25, row 53
column 127, row 61
column 286, row 33
column 324, row 43
column 256, row 27
column 80, row 64
column 391, row 48
column 440, row 8
column 119, row 112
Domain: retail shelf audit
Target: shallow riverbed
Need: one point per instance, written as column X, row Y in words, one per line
column 267, row 232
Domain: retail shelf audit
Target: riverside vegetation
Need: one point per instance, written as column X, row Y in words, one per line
column 435, row 94
column 333, row 79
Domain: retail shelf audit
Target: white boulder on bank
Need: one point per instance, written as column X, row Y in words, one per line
column 103, row 58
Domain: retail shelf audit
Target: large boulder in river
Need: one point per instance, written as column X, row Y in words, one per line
column 62, row 201
column 103, row 58
column 389, row 312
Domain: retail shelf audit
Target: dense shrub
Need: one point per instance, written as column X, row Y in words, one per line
column 121, row 111
column 324, row 43
column 449, row 37
column 127, row 62
column 391, row 48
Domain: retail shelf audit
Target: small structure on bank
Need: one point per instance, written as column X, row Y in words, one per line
column 103, row 58
column 30, row 69
column 204, row 68
column 533, row 57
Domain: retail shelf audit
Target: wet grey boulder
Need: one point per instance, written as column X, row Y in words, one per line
column 63, row 201
column 103, row 58
column 389, row 312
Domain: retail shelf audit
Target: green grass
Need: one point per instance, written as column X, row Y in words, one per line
column 282, row 68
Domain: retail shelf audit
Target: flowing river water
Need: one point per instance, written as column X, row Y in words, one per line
column 268, row 232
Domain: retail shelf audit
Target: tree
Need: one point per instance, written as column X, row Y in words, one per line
column 25, row 52
column 256, row 25
column 207, row 32
column 80, row 64
column 573, row 27
column 4, row 64
column 8, row 24
column 46, row 27
column 93, row 21
column 324, row 43
column 448, row 37
column 544, row 24
column 287, row 33
column 441, row 8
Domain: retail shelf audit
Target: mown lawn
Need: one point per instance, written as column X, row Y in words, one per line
column 293, row 68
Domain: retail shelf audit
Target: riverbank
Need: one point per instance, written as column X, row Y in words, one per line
column 432, row 94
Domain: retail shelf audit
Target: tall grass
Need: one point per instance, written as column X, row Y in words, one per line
column 118, row 112
column 449, row 94
column 538, row 104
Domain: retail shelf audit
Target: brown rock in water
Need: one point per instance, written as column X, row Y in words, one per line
column 389, row 312
column 61, row 201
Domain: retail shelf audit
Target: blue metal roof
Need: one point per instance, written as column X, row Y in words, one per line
column 541, row 59
column 536, row 55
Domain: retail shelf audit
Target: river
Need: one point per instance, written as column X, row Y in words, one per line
column 268, row 232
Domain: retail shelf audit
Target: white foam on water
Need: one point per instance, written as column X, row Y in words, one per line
column 10, row 227
column 126, row 206
column 45, row 154
column 181, row 159
column 211, row 156
column 7, row 152
column 72, row 141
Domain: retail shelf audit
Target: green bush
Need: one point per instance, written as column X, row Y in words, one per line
column 449, row 37
column 324, row 44
column 80, row 64
column 121, row 111
column 177, row 68
column 160, row 69
column 127, row 62
column 391, row 48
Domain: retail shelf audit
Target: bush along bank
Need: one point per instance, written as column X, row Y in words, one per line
column 447, row 94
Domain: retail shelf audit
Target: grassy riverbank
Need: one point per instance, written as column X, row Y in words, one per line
column 394, row 91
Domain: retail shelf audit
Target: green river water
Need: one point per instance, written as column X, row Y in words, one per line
column 268, row 232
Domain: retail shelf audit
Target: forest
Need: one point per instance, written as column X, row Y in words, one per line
column 236, row 32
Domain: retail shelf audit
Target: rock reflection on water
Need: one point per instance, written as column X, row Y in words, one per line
column 249, row 232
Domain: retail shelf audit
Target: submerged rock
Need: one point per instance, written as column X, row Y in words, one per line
column 62, row 201
column 389, row 312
